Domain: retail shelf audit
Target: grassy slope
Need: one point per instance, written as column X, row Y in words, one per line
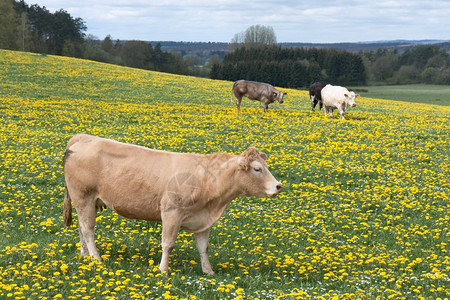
column 363, row 212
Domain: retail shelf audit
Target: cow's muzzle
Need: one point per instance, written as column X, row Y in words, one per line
column 275, row 190
column 279, row 187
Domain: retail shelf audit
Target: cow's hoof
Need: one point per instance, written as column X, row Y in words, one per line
column 164, row 272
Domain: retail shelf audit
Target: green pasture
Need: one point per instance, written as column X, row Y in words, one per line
column 420, row 93
column 364, row 211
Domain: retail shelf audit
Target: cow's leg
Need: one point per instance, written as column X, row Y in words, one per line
column 341, row 112
column 325, row 109
column 86, row 219
column 83, row 247
column 170, row 226
column 313, row 103
column 238, row 102
column 202, row 239
column 266, row 104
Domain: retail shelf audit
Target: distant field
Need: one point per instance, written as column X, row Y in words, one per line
column 421, row 93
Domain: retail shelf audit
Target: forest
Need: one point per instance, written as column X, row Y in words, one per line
column 299, row 67
column 423, row 64
column 291, row 67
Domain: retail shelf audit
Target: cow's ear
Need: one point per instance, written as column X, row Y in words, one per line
column 357, row 95
column 263, row 155
column 243, row 162
column 274, row 94
column 346, row 95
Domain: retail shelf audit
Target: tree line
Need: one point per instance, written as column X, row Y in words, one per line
column 422, row 64
column 35, row 29
column 291, row 67
column 139, row 54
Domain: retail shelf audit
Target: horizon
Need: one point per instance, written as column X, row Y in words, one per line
column 417, row 42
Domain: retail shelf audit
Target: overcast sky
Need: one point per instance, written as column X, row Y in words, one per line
column 293, row 21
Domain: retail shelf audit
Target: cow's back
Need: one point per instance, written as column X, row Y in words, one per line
column 332, row 94
column 252, row 89
column 129, row 179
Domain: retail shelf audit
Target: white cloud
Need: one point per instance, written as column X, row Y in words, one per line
column 294, row 21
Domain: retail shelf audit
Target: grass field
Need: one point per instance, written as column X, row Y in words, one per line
column 420, row 93
column 363, row 214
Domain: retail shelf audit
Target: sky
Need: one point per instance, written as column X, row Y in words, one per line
column 293, row 21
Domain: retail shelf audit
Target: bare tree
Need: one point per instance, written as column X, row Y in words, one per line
column 236, row 41
column 254, row 36
column 257, row 35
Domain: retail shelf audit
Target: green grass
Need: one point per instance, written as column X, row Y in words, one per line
column 421, row 93
column 363, row 212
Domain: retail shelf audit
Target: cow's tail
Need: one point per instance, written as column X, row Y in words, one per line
column 232, row 91
column 67, row 208
column 67, row 211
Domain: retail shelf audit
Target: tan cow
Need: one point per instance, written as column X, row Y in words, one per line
column 183, row 190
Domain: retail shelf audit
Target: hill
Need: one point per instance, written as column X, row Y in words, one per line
column 363, row 212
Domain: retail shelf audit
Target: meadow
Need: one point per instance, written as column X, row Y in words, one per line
column 364, row 213
column 421, row 93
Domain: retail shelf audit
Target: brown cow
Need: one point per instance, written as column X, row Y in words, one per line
column 263, row 92
column 183, row 190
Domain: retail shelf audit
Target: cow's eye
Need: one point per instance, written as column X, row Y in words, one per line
column 257, row 169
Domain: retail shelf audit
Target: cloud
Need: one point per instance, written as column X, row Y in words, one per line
column 294, row 21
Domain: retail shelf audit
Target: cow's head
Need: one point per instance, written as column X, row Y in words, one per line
column 278, row 95
column 350, row 98
column 255, row 178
